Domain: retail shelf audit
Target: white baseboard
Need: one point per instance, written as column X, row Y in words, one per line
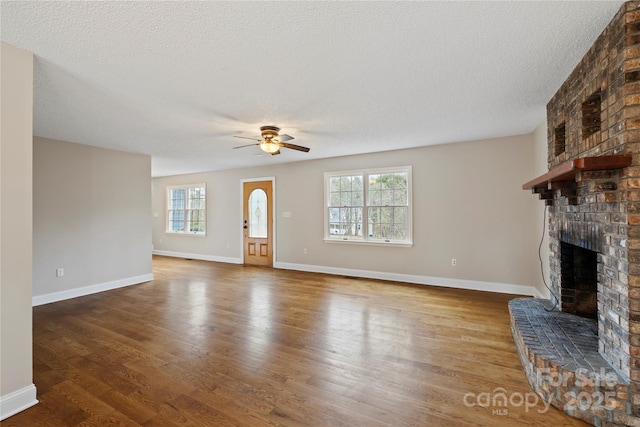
column 475, row 285
column 17, row 401
column 504, row 288
column 91, row 289
column 538, row 294
column 228, row 260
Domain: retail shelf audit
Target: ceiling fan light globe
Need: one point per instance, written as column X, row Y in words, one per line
column 269, row 147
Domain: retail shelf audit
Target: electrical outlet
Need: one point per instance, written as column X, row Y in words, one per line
column 59, row 272
column 305, row 251
column 454, row 262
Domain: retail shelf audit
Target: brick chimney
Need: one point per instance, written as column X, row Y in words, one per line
column 595, row 113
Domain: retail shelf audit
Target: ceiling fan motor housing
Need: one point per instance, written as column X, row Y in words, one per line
column 269, row 132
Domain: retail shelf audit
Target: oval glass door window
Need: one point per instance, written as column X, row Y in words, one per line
column 258, row 214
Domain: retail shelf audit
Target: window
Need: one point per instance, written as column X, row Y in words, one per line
column 258, row 214
column 372, row 206
column 186, row 209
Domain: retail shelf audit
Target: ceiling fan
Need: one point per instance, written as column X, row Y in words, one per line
column 271, row 141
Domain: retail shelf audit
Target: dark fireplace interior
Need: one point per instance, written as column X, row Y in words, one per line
column 579, row 280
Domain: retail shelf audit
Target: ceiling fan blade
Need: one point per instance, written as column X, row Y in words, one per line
column 248, row 145
column 276, row 153
column 284, row 137
column 294, row 147
column 244, row 137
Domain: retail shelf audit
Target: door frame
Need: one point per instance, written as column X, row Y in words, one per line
column 273, row 209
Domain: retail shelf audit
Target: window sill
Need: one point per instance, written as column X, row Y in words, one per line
column 175, row 233
column 370, row 243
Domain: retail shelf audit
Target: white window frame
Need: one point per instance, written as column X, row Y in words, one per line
column 186, row 188
column 365, row 239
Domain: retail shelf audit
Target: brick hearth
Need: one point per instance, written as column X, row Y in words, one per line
column 559, row 352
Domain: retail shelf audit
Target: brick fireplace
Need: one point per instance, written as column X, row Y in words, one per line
column 592, row 192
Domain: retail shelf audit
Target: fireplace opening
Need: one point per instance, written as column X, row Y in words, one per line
column 579, row 280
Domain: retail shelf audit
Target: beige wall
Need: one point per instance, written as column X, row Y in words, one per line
column 91, row 217
column 540, row 220
column 468, row 204
column 16, row 122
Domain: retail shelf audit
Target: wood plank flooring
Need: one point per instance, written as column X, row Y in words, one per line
column 208, row 344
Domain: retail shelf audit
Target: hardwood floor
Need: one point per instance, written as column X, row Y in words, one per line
column 208, row 344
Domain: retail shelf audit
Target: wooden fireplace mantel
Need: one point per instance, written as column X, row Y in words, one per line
column 568, row 171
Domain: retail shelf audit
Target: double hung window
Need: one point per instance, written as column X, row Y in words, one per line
column 186, row 209
column 369, row 206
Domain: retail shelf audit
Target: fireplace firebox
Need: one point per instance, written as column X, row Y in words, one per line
column 579, row 280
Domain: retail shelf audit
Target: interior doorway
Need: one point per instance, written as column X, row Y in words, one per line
column 257, row 222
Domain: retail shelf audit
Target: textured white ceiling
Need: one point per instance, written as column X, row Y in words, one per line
column 176, row 80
